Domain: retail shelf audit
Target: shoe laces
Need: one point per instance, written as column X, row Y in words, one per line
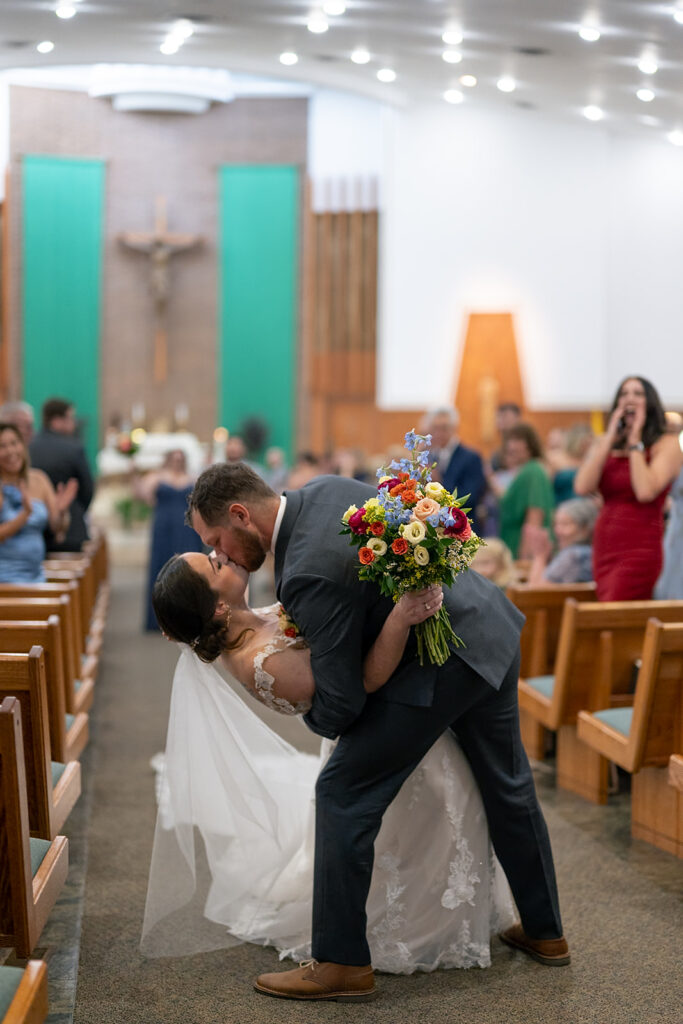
column 313, row 963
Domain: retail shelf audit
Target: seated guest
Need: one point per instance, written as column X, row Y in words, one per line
column 494, row 561
column 458, row 468
column 573, row 525
column 28, row 504
column 508, row 414
column 529, row 499
column 21, row 415
column 58, row 452
column 564, row 458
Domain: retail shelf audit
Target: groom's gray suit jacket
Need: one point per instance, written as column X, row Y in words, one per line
column 316, row 574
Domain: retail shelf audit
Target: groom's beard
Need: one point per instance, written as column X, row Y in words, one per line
column 252, row 552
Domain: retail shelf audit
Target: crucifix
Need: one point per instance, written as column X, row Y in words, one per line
column 159, row 244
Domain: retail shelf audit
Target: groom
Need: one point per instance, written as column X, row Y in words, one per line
column 383, row 736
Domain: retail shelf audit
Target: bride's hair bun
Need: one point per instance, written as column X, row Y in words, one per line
column 212, row 640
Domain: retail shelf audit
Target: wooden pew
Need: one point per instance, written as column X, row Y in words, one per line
column 68, row 733
column 32, row 871
column 676, row 771
column 594, row 668
column 52, row 788
column 641, row 738
column 46, row 590
column 23, row 993
column 543, row 607
column 78, row 691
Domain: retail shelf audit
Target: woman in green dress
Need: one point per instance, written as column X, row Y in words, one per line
column 529, row 498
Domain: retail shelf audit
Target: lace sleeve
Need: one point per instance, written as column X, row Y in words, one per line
column 264, row 681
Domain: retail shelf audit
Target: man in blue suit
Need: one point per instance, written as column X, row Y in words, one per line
column 457, row 467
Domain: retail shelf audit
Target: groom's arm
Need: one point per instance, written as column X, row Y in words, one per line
column 332, row 625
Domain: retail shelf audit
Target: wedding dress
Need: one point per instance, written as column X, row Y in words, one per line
column 437, row 893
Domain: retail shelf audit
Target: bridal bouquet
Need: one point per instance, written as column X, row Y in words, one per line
column 413, row 534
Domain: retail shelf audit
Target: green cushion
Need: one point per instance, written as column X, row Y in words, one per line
column 57, row 772
column 544, row 685
column 70, row 719
column 616, row 718
column 39, row 848
column 77, row 685
column 9, row 983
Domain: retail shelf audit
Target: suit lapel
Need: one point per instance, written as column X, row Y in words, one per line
column 292, row 509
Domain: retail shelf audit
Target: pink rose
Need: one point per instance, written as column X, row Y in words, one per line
column 357, row 521
column 426, row 507
column 466, row 533
column 393, row 482
column 460, row 521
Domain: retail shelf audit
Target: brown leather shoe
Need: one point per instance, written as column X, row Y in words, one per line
column 551, row 952
column 313, row 980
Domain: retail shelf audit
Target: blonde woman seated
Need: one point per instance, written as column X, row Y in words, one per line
column 437, row 892
column 494, row 561
column 572, row 560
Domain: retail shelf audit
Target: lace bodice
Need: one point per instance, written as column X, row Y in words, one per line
column 263, row 680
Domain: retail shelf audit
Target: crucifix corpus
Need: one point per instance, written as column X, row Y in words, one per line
column 159, row 244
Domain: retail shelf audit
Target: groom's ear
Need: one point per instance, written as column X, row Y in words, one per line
column 239, row 515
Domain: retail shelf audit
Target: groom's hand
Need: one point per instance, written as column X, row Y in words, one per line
column 418, row 605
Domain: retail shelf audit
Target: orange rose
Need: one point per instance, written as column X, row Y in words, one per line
column 400, row 546
column 409, row 497
column 366, row 556
column 377, row 528
column 396, row 491
column 426, row 507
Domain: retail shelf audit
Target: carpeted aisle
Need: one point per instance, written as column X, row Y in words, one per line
column 621, row 900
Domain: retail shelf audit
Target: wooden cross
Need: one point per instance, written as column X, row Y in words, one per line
column 159, row 245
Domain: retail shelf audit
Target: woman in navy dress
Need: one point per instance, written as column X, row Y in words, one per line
column 167, row 492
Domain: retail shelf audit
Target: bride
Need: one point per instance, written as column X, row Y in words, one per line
column 437, row 893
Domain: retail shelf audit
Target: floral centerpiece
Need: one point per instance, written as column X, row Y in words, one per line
column 412, row 535
column 126, row 445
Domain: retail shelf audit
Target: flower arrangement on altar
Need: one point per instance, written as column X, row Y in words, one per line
column 412, row 535
column 127, row 444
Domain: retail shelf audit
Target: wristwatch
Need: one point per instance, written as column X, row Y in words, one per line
column 638, row 447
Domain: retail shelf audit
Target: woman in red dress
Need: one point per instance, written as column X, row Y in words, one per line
column 632, row 466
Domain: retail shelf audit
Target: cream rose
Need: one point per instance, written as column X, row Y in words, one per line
column 434, row 490
column 414, row 531
column 425, row 508
column 377, row 545
column 349, row 512
column 420, row 554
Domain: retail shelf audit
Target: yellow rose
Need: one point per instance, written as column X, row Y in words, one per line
column 349, row 512
column 420, row 554
column 434, row 490
column 414, row 532
column 371, row 503
column 377, row 545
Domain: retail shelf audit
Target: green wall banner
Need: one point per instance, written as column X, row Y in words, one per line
column 259, row 240
column 62, row 272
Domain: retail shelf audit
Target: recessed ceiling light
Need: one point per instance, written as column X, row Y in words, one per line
column 452, row 36
column 469, row 81
column 288, row 58
column 453, row 96
column 452, row 56
column 65, row 11
column 589, row 33
column 170, row 46
column 676, row 137
column 386, row 75
column 647, row 65
column 506, row 84
column 360, row 56
column 334, row 8
column 593, row 113
column 678, row 16
column 183, row 28
column 45, row 47
column 645, row 95
column 317, row 24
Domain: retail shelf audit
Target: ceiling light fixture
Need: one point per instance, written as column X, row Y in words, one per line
column 645, row 95
column 183, row 28
column 506, row 84
column 593, row 113
column 452, row 36
column 45, row 47
column 469, row 81
column 452, row 56
column 334, row 8
column 170, row 46
column 453, row 96
column 65, row 11
column 589, row 31
column 289, row 59
column 675, row 137
column 360, row 56
column 678, row 17
column 386, row 75
column 317, row 24
column 647, row 65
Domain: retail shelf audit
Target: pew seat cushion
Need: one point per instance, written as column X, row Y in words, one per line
column 57, row 772
column 39, row 848
column 77, row 684
column 618, row 719
column 10, row 978
column 70, row 719
column 543, row 684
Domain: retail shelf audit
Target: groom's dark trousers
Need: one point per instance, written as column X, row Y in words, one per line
column 384, row 737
